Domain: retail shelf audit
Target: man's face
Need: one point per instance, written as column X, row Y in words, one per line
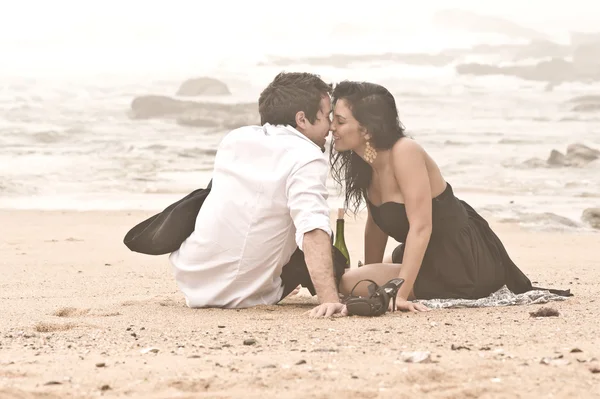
column 318, row 131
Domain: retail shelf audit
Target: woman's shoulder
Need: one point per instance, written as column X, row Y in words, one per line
column 408, row 154
column 407, row 146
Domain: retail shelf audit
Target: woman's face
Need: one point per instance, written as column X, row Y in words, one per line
column 346, row 131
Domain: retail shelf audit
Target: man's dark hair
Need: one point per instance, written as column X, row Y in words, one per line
column 290, row 93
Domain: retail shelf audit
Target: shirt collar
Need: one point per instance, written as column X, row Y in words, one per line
column 286, row 129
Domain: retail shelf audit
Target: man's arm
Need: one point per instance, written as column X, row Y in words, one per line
column 318, row 257
column 307, row 201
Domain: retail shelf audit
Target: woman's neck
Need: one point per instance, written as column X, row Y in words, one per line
column 380, row 163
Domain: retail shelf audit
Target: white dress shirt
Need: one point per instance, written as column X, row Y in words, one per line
column 268, row 189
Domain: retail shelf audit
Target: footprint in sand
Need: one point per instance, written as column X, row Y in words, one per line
column 198, row 385
column 70, row 312
column 44, row 327
column 13, row 393
column 7, row 374
column 168, row 302
column 75, row 312
column 160, row 301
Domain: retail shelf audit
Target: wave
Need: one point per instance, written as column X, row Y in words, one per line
column 517, row 141
column 197, row 152
column 49, row 137
column 546, row 221
column 14, row 188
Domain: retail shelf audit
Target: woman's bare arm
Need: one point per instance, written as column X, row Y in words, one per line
column 410, row 169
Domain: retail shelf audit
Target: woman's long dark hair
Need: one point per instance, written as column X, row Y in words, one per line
column 374, row 107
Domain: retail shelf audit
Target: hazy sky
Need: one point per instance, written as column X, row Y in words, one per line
column 78, row 31
column 45, row 22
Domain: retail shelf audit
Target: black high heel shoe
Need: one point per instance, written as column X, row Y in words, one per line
column 378, row 301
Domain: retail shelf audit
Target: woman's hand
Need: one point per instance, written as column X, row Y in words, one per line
column 408, row 306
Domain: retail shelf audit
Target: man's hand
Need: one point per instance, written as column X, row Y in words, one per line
column 329, row 310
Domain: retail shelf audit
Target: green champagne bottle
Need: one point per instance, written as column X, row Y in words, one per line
column 340, row 243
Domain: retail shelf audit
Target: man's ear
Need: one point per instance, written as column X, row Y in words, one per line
column 301, row 120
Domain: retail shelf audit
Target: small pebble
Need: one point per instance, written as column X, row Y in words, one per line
column 416, row 357
column 250, row 341
column 102, row 364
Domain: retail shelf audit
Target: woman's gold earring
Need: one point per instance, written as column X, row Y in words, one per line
column 370, row 153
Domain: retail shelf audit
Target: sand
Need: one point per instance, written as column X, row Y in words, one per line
column 82, row 316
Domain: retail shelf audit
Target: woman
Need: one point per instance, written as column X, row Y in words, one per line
column 449, row 250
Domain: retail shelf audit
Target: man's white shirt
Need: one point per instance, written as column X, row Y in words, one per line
column 268, row 190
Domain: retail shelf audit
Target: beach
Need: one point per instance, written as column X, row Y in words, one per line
column 96, row 135
column 83, row 317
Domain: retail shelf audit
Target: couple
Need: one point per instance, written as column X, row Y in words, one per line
column 264, row 229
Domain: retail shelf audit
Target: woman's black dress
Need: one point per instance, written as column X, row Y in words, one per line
column 464, row 258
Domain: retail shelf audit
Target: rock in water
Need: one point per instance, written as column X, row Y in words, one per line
column 582, row 153
column 152, row 106
column 556, row 158
column 203, row 87
column 592, row 217
column 194, row 113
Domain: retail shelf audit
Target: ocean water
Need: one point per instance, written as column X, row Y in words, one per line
column 67, row 142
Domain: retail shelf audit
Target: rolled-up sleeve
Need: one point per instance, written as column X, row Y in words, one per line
column 307, row 198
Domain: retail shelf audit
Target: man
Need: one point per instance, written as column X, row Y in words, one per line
column 264, row 228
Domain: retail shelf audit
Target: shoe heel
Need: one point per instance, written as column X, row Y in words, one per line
column 391, row 288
